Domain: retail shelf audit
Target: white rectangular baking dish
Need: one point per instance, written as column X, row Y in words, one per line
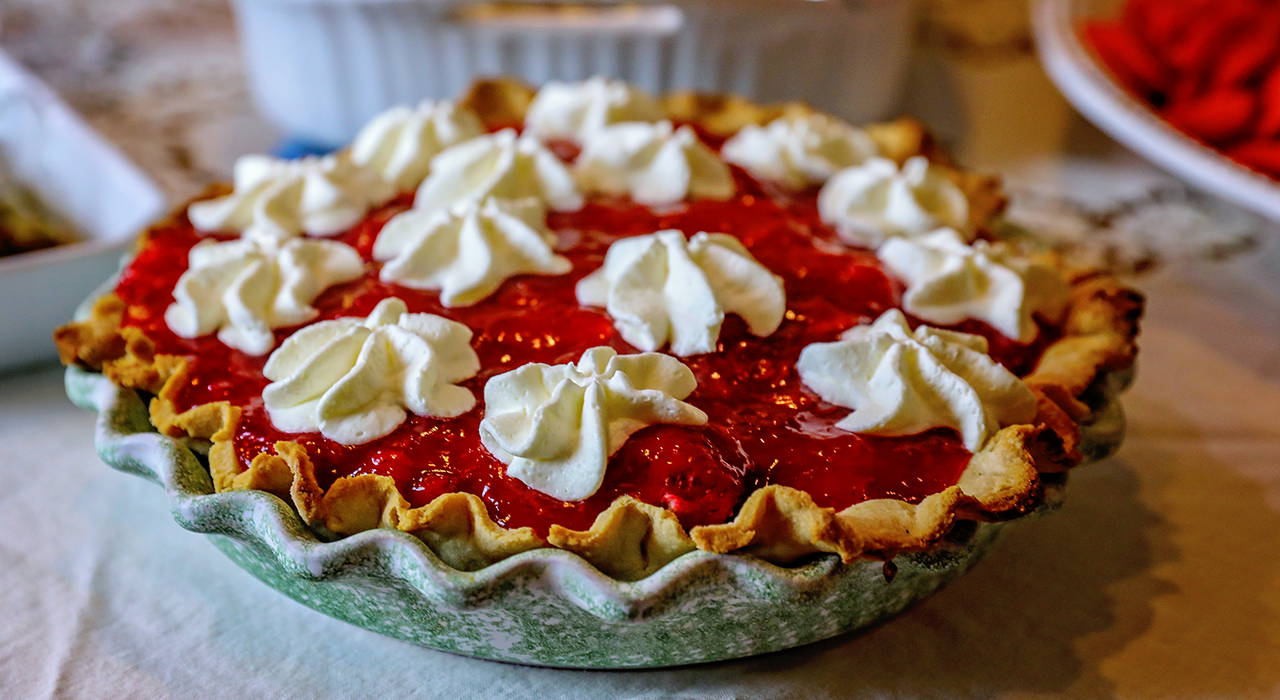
column 85, row 179
column 320, row 69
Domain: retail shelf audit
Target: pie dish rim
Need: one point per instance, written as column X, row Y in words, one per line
column 615, row 622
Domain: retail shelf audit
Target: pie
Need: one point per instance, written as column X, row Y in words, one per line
column 625, row 326
column 26, row 223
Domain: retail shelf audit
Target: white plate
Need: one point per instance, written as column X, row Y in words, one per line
column 81, row 176
column 1093, row 91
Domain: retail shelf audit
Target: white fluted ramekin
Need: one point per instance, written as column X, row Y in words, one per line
column 321, row 68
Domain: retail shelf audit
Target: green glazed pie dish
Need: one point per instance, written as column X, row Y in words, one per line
column 545, row 607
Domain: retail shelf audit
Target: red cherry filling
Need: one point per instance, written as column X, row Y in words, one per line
column 682, row 470
column 764, row 427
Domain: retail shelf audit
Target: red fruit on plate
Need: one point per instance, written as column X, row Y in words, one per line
column 1161, row 24
column 1261, row 155
column 1269, row 109
column 1127, row 57
column 1197, row 52
column 1217, row 116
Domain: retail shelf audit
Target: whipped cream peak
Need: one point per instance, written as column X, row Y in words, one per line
column 902, row 382
column 502, row 165
column 555, row 427
column 798, row 151
column 277, row 199
column 356, row 379
column 399, row 143
column 661, row 288
column 246, row 288
column 948, row 281
column 654, row 164
column 467, row 251
column 573, row 111
column 877, row 200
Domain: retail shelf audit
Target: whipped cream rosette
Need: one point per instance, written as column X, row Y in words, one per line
column 798, row 151
column 399, row 143
column 467, row 251
column 653, row 164
column 573, row 111
column 278, row 199
column 661, row 288
column 877, row 200
column 555, row 427
column 503, row 165
column 245, row 288
column 948, row 281
column 903, row 382
column 354, row 379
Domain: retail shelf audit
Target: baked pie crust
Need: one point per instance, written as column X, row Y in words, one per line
column 632, row 539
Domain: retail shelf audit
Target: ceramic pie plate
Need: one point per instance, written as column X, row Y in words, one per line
column 545, row 607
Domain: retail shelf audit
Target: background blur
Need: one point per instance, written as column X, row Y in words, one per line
column 166, row 81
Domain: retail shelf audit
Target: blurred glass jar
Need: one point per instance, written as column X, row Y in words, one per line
column 321, row 68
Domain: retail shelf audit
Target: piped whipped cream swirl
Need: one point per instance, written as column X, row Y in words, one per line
column 661, row 288
column 654, row 164
column 275, row 199
column 501, row 165
column 902, row 382
column 355, row 379
column 556, row 427
column 948, row 281
column 399, row 143
column 468, row 250
column 573, row 111
column 876, row 200
column 245, row 288
column 798, row 151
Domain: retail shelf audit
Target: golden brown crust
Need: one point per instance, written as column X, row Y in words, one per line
column 629, row 540
column 122, row 353
column 986, row 196
column 725, row 115
column 1055, row 449
column 500, row 102
column 777, row 523
column 93, row 341
column 906, row 137
column 456, row 526
column 1099, row 331
column 632, row 539
column 210, row 421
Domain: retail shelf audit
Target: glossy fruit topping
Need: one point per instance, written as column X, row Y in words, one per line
column 764, row 426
